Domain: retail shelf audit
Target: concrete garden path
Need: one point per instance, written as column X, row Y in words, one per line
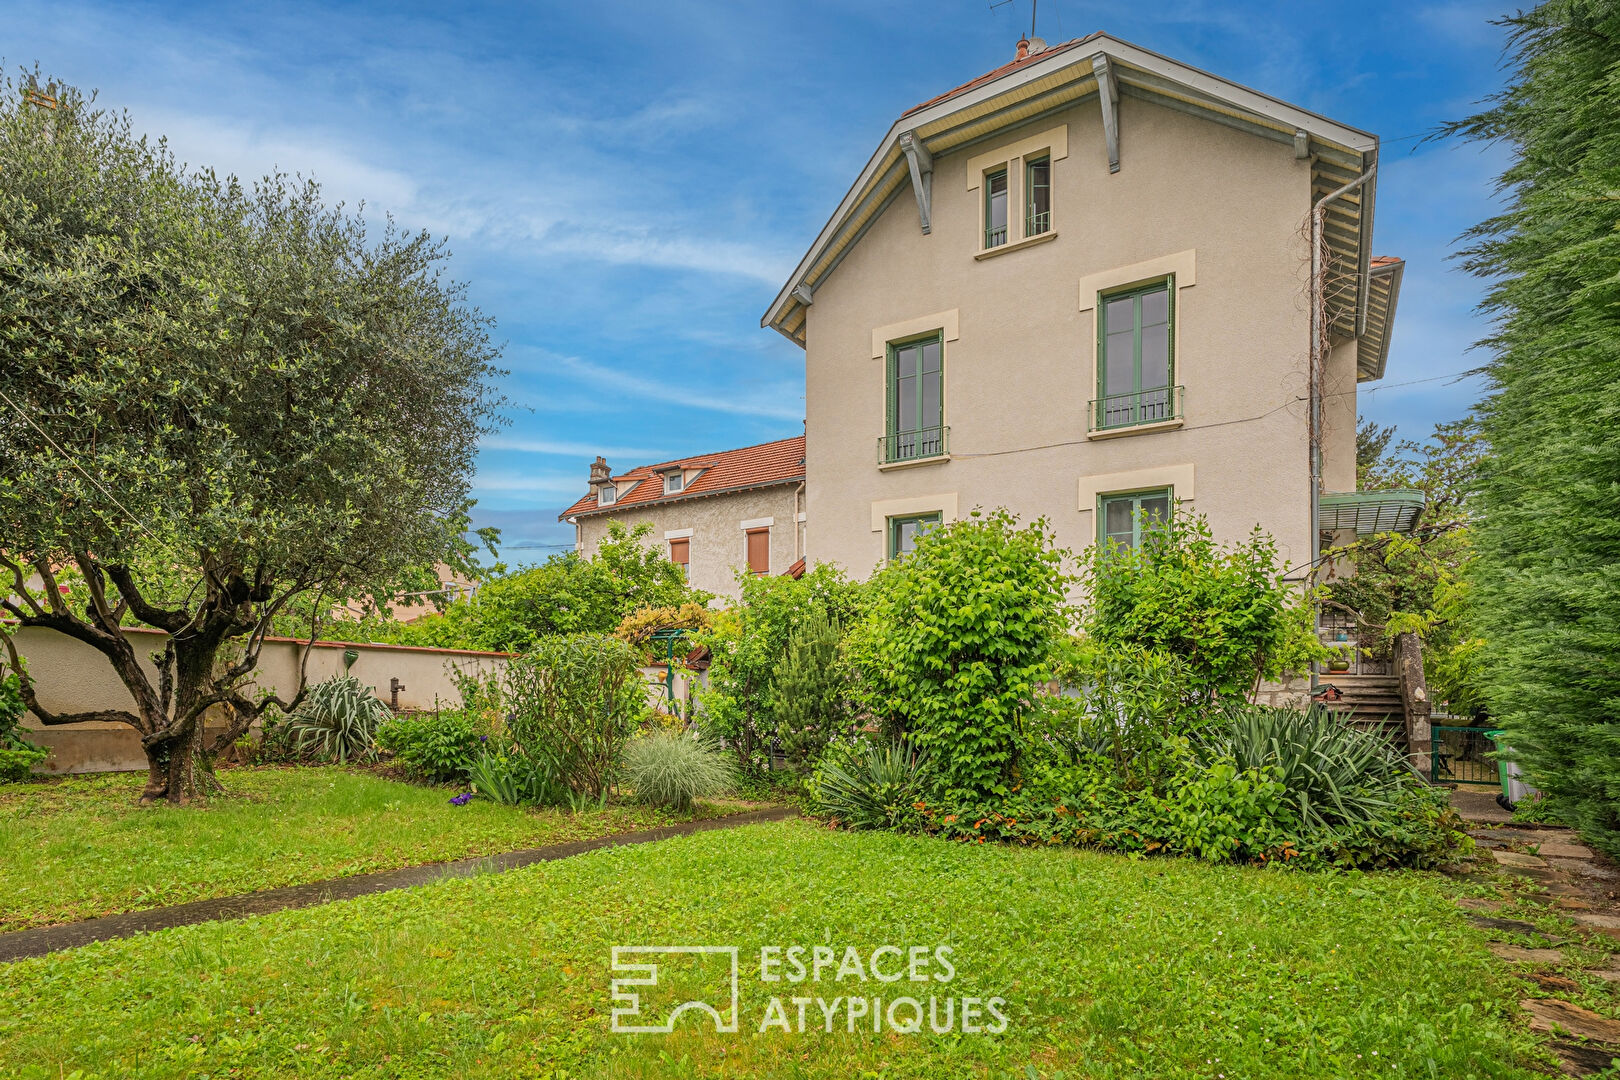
column 22, row 944
column 1545, row 876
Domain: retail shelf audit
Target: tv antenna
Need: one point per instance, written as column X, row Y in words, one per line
column 995, row 4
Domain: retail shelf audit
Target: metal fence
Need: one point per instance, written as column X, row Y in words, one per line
column 1464, row 755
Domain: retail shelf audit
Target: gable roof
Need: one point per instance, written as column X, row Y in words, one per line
column 764, row 465
column 1059, row 77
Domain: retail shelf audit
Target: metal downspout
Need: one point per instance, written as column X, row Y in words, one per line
column 1318, row 362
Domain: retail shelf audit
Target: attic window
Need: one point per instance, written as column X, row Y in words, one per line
column 995, row 209
column 606, row 494
column 674, row 482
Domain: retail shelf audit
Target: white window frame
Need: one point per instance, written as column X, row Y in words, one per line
column 677, row 479
column 607, row 494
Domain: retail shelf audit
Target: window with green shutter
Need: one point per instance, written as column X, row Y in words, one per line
column 1038, row 196
column 1135, row 365
column 903, row 532
column 916, row 402
column 1120, row 518
column 995, row 209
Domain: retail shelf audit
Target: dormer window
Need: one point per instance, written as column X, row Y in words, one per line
column 606, row 495
column 674, row 483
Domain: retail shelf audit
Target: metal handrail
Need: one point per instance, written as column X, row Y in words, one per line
column 913, row 445
column 1140, row 407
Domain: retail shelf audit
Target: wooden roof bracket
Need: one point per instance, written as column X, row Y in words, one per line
column 921, row 164
column 1108, row 97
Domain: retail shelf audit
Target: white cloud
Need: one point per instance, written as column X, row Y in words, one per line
column 529, row 484
column 776, row 406
column 570, row 449
column 643, row 247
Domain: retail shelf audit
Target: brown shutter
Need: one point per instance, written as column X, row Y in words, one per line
column 759, row 551
column 680, row 553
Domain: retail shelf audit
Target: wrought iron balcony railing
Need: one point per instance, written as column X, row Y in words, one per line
column 1133, row 410
column 913, row 445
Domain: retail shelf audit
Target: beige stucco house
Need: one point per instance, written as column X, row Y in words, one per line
column 716, row 514
column 1082, row 286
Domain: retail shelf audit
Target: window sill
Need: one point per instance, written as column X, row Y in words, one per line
column 1017, row 245
column 937, row 459
column 1135, row 429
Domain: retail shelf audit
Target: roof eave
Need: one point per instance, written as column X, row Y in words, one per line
column 1394, row 272
column 683, row 497
column 1270, row 110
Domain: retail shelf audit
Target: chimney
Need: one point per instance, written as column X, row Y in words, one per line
column 1023, row 50
column 1037, row 45
column 599, row 471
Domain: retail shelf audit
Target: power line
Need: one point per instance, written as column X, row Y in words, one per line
column 74, row 462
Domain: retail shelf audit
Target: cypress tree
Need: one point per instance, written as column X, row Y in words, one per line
column 1548, row 574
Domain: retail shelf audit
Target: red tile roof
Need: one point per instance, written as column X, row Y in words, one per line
column 1004, row 69
column 780, row 462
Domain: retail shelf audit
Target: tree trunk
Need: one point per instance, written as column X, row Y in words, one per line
column 176, row 769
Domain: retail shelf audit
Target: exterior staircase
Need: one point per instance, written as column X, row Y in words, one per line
column 1371, row 703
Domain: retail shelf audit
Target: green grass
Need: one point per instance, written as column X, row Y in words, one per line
column 80, row 848
column 1111, row 967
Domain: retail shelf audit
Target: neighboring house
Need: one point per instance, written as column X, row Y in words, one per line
column 713, row 513
column 1080, row 287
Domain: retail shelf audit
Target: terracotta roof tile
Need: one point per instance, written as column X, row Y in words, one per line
column 780, row 462
column 1386, row 260
column 1004, row 69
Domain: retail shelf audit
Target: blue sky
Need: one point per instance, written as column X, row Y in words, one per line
column 626, row 185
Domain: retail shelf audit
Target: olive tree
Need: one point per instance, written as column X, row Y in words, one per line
column 219, row 400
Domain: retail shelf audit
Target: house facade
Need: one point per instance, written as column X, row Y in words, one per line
column 715, row 514
column 1082, row 286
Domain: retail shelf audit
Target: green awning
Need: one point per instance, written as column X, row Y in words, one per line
column 1370, row 512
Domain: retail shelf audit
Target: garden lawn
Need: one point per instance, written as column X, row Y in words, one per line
column 1110, row 967
column 79, row 848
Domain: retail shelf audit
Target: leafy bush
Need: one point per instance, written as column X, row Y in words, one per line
column 18, row 756
column 566, row 594
column 1333, row 774
column 1223, row 610
column 338, row 720
column 437, row 746
column 866, row 785
column 505, row 774
column 958, row 636
column 748, row 645
column 1121, row 704
column 574, row 703
column 666, row 769
column 812, row 692
column 17, row 762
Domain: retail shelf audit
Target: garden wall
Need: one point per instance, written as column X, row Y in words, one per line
column 72, row 677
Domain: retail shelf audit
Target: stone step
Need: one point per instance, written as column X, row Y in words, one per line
column 1549, row 1014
